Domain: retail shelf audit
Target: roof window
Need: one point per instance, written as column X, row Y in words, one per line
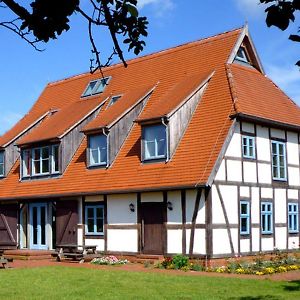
column 95, row 87
column 114, row 99
column 242, row 55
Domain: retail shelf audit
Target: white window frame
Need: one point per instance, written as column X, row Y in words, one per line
column 244, row 57
column 94, row 207
column 245, row 216
column 293, row 217
column 277, row 156
column 40, row 160
column 266, row 215
column 112, row 102
column 156, row 156
column 94, row 90
column 53, row 171
column 246, row 145
column 90, row 151
column 2, row 174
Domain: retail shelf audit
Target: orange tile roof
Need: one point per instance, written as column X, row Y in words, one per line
column 256, row 95
column 60, row 122
column 198, row 149
column 176, row 96
column 124, row 104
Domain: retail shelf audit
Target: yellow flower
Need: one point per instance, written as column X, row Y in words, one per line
column 259, row 273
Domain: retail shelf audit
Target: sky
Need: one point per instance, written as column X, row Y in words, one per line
column 25, row 72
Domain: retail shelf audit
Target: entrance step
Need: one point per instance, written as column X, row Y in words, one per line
column 24, row 254
column 148, row 258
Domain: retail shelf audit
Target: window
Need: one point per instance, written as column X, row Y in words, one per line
column 40, row 161
column 266, row 217
column 242, row 55
column 293, row 218
column 248, row 146
column 244, row 217
column 155, row 146
column 278, row 161
column 97, row 150
column 94, row 219
column 114, row 99
column 95, row 87
column 1, row 163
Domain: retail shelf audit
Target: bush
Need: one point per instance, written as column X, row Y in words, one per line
column 180, row 261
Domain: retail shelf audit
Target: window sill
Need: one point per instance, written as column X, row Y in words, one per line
column 267, row 234
column 245, row 235
column 98, row 166
column 40, row 177
column 155, row 160
column 94, row 236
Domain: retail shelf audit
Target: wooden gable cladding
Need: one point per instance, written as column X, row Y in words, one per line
column 8, row 226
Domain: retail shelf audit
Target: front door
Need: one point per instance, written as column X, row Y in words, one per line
column 38, row 222
column 153, row 233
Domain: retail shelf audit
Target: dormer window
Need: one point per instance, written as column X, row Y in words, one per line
column 40, row 161
column 95, row 87
column 114, row 99
column 2, row 163
column 242, row 55
column 154, row 142
column 97, row 150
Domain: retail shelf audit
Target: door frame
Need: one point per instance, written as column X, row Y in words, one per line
column 38, row 246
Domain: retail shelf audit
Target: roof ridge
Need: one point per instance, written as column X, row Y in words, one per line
column 151, row 55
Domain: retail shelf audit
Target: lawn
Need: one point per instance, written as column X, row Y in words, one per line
column 83, row 283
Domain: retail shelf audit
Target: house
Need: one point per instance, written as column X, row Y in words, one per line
column 189, row 150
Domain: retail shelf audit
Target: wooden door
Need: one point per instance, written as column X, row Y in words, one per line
column 153, row 233
column 8, row 226
column 66, row 222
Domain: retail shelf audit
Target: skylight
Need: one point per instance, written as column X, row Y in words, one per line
column 95, row 87
column 114, row 99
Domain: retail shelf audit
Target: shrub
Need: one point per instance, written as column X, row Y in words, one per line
column 197, row 267
column 180, row 261
column 109, row 260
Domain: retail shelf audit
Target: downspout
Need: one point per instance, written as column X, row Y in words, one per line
column 163, row 121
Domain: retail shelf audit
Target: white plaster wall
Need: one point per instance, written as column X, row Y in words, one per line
column 234, row 170
column 255, row 239
column 230, row 199
column 234, row 147
column 118, row 211
column 152, row 197
column 217, row 212
column 235, row 238
column 248, row 127
column 292, row 194
column 280, row 206
column 122, row 240
column 190, row 205
column 250, row 172
column 174, row 238
column 80, row 236
column 188, row 236
column 245, row 191
column 264, row 173
column 245, row 245
column 292, row 148
column 280, row 234
column 267, row 193
column 267, row 244
column 201, row 212
column 263, row 143
column 294, row 177
column 97, row 242
column 95, row 198
column 175, row 215
column 255, row 206
column 293, row 242
column 221, row 244
column 200, row 241
column 221, row 174
column 277, row 133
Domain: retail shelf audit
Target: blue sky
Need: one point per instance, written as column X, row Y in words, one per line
column 25, row 72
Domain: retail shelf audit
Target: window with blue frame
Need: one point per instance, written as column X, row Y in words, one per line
column 244, row 217
column 98, row 150
column 278, row 161
column 1, row 163
column 266, row 218
column 248, row 143
column 155, row 142
column 94, row 219
column 293, row 218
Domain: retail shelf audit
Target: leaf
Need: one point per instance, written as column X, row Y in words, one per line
column 294, row 38
column 298, row 63
column 132, row 10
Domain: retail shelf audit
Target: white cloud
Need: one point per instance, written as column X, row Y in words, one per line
column 287, row 77
column 159, row 6
column 250, row 8
column 7, row 120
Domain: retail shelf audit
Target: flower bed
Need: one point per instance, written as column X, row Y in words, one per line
column 109, row 260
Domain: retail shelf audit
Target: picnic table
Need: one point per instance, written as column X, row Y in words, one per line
column 75, row 252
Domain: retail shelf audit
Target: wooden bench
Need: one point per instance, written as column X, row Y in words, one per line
column 75, row 252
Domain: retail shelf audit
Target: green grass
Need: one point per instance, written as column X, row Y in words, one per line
column 82, row 283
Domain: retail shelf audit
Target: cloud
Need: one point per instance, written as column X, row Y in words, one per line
column 250, row 8
column 159, row 6
column 7, row 120
column 287, row 77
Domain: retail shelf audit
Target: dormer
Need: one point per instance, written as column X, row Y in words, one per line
column 164, row 124
column 107, row 133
